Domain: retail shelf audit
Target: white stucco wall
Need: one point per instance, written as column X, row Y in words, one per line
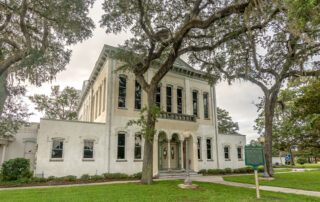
column 233, row 141
column 279, row 160
column 73, row 134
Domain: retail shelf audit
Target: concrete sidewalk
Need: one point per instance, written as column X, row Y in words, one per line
column 219, row 180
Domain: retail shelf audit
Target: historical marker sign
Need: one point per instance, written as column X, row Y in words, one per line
column 254, row 156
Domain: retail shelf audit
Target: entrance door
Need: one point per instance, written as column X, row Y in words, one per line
column 174, row 155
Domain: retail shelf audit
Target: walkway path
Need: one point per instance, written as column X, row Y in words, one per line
column 219, row 180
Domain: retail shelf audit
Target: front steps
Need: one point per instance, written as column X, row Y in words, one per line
column 176, row 174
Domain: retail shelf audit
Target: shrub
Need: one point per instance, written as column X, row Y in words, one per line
column 24, row 180
column 213, row 171
column 70, row 178
column 115, row 175
column 237, row 170
column 203, row 171
column 96, row 177
column 137, row 175
column 228, row 170
column 39, row 179
column 301, row 161
column 85, row 177
column 15, row 169
column 261, row 169
column 51, row 178
column 249, row 169
column 222, row 171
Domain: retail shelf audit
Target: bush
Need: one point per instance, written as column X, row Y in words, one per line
column 115, row 175
column 261, row 169
column 96, row 177
column 237, row 170
column 137, row 175
column 70, row 178
column 228, row 170
column 203, row 171
column 51, row 178
column 39, row 179
column 249, row 169
column 213, row 171
column 85, row 177
column 24, row 180
column 15, row 169
column 301, row 161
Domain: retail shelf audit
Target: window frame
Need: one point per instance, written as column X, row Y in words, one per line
column 210, row 139
column 169, row 98
column 158, row 95
column 199, row 148
column 83, row 153
column 121, row 146
column 179, row 97
column 135, row 95
column 52, row 148
column 135, row 146
column 241, row 155
column 224, row 152
column 206, row 105
column 124, row 97
column 195, row 110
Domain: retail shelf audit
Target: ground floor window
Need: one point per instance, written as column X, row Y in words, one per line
column 209, row 156
column 137, row 146
column 227, row 152
column 88, row 149
column 57, row 149
column 239, row 150
column 199, row 148
column 121, row 146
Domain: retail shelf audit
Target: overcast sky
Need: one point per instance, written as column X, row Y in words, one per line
column 238, row 99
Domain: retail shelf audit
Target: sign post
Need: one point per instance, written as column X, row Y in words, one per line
column 254, row 156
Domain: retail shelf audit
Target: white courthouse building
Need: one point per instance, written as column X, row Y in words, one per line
column 100, row 141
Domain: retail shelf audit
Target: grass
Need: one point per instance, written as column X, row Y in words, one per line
column 307, row 165
column 307, row 180
column 160, row 191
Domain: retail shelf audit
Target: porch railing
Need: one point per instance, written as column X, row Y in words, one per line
column 176, row 116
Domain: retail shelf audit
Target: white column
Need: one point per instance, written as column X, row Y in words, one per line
column 3, row 153
column 181, row 150
column 187, row 97
column 169, row 155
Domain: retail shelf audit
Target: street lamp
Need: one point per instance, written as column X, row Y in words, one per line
column 261, row 140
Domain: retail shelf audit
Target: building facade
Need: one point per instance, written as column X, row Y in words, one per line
column 100, row 141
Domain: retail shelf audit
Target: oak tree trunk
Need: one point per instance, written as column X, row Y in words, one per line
column 3, row 91
column 147, row 168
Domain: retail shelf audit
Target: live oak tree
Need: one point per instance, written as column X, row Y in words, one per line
column 225, row 123
column 164, row 30
column 60, row 104
column 34, row 35
column 267, row 58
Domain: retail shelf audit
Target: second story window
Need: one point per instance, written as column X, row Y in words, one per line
column 57, row 149
column 158, row 97
column 122, row 92
column 88, row 149
column 169, row 99
column 205, row 106
column 121, row 146
column 137, row 96
column 195, row 102
column 179, row 101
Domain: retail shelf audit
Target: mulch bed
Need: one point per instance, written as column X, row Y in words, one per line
column 53, row 183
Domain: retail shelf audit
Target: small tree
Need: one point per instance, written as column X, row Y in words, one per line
column 60, row 105
column 225, row 123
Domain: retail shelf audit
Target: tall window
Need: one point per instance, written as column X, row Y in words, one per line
column 239, row 151
column 199, row 148
column 96, row 110
column 205, row 105
column 88, row 149
column 100, row 99
column 195, row 102
column 209, row 156
column 179, row 101
column 158, row 97
column 121, row 145
column 137, row 146
column 169, row 99
column 122, row 92
column 137, row 96
column 57, row 149
column 227, row 152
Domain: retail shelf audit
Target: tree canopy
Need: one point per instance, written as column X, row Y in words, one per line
column 225, row 123
column 60, row 104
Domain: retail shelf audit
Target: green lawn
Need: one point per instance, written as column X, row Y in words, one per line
column 282, row 170
column 160, row 191
column 307, row 180
column 307, row 165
